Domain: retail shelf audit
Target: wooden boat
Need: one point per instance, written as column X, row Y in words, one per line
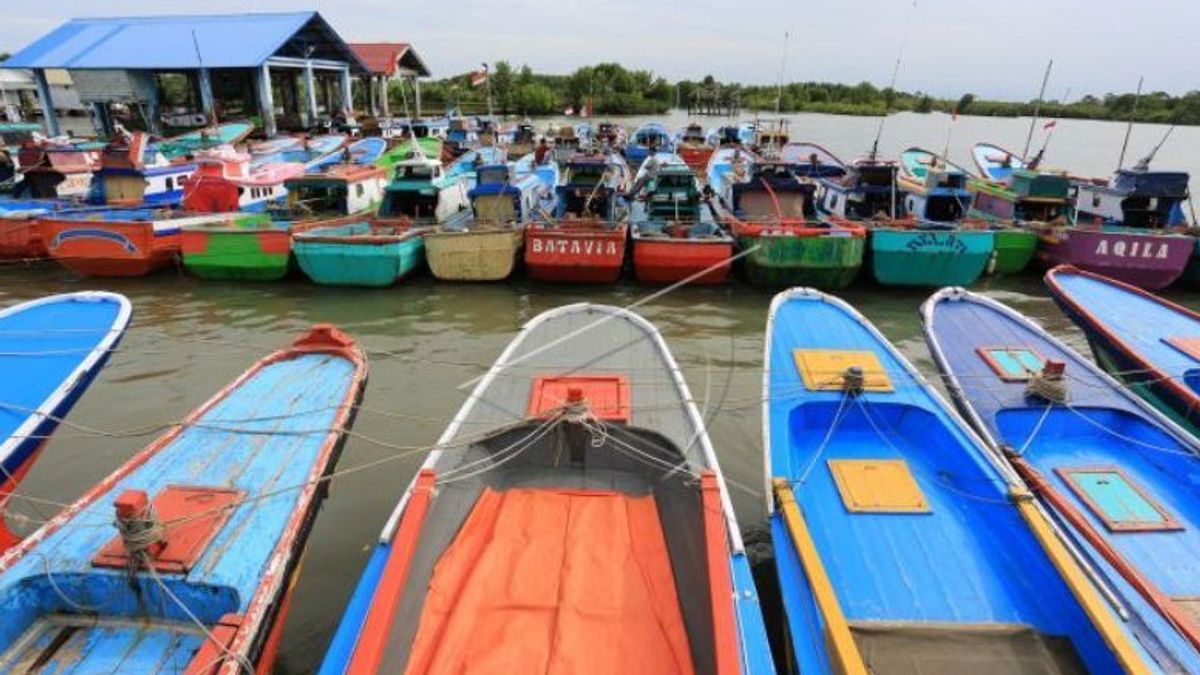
column 423, row 192
column 366, row 151
column 487, row 246
column 582, row 236
column 314, row 153
column 51, row 349
column 185, row 557
column 184, row 145
column 610, row 136
column 523, row 141
column 569, row 139
column 133, row 172
column 52, row 170
column 647, row 139
column 691, row 143
column 1109, row 467
column 1140, row 338
column 260, row 248
column 121, row 242
column 936, row 245
column 20, row 236
column 365, row 253
column 896, row 532
column 772, row 214
column 674, row 232
column 429, row 146
column 809, row 160
column 648, row 574
column 228, row 180
column 769, row 136
column 1018, row 202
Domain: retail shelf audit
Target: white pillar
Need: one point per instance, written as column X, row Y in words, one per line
column 310, row 86
column 204, row 80
column 47, row 101
column 372, row 104
column 347, row 92
column 152, row 108
column 385, row 93
column 266, row 100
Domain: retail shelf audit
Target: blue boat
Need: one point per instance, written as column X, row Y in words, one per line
column 648, row 139
column 584, row 414
column 315, row 153
column 184, row 558
column 366, row 253
column 1117, row 474
column 1149, row 342
column 901, row 544
column 365, row 151
column 50, row 351
column 133, row 173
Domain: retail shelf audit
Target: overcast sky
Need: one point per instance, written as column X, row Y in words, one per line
column 993, row 49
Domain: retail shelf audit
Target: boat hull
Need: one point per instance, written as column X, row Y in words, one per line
column 359, row 263
column 21, row 239
column 237, row 256
column 109, row 248
column 668, row 260
column 474, row 255
column 584, row 255
column 1149, row 261
column 696, row 157
column 826, row 261
column 929, row 257
column 1014, row 251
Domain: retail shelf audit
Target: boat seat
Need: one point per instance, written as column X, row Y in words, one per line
column 937, row 649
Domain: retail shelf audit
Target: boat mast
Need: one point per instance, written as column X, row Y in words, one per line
column 892, row 87
column 1144, row 163
column 779, row 92
column 1037, row 108
column 200, row 61
column 1129, row 128
column 487, row 80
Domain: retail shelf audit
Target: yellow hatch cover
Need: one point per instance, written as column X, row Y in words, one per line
column 822, row 369
column 878, row 486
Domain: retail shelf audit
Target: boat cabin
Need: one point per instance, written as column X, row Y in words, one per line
column 1027, row 196
column 341, row 189
column 133, row 173
column 866, row 191
column 774, row 192
column 672, row 193
column 421, row 189
column 1134, row 198
column 693, row 134
column 51, row 171
column 590, row 186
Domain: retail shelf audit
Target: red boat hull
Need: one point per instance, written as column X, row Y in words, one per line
column 580, row 254
column 666, row 261
column 20, row 238
column 109, row 248
column 696, row 157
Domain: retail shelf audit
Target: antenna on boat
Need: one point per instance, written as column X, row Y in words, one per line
column 487, row 80
column 779, row 91
column 1129, row 128
column 1144, row 163
column 892, row 86
column 1037, row 109
column 212, row 111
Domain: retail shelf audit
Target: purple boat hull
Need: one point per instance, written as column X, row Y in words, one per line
column 1148, row 260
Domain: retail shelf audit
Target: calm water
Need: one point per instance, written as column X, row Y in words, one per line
column 425, row 339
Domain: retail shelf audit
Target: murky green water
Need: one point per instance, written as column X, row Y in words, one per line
column 190, row 338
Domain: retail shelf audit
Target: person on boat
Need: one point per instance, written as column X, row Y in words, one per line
column 541, row 152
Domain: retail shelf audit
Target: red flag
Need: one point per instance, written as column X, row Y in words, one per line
column 569, row 111
column 1049, row 125
column 478, row 78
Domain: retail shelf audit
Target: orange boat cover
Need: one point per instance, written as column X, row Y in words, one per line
column 554, row 581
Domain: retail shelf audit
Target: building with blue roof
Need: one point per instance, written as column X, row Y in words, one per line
column 288, row 68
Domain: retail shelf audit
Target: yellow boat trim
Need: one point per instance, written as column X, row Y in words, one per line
column 843, row 651
column 823, row 369
column 1100, row 614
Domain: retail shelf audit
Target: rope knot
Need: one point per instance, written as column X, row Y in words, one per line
column 853, row 380
column 1049, row 384
column 139, row 527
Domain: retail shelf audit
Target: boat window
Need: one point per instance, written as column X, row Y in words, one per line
column 1115, row 499
column 1013, row 364
column 824, row 369
column 414, row 172
column 877, row 486
column 170, row 183
column 241, row 191
column 359, row 190
column 607, row 396
column 833, row 201
column 1095, row 200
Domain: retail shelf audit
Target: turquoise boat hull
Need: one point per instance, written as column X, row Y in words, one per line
column 930, row 257
column 357, row 258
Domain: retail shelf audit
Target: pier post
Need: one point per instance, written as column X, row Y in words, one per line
column 266, row 100
column 310, row 87
column 47, row 101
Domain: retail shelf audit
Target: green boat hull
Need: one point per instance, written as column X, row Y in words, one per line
column 240, row 256
column 360, row 264
column 819, row 262
column 1014, row 250
column 930, row 257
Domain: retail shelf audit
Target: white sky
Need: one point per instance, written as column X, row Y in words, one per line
column 995, row 49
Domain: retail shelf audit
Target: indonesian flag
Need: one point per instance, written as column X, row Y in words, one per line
column 1049, row 125
column 479, row 77
column 569, row 111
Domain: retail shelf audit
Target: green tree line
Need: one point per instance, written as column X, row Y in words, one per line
column 615, row 90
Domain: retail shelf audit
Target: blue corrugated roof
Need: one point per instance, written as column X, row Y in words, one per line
column 166, row 42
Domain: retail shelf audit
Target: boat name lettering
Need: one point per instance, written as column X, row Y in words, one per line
column 1133, row 249
column 575, row 247
column 937, row 240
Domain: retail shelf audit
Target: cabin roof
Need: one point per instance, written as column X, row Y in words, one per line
column 388, row 58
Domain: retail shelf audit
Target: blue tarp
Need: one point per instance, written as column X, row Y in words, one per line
column 179, row 42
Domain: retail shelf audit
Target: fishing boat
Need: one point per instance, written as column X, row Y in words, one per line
column 370, row 253
column 314, row 153
column 1145, row 340
column 582, row 238
column 647, row 139
column 768, row 137
column 185, row 558
column 133, row 172
column 901, row 544
column 691, row 143
column 187, row 144
column 51, row 349
column 429, row 146
column 229, row 180
column 423, row 192
column 935, row 245
column 260, row 248
column 611, row 136
column 121, row 242
column 487, row 246
column 565, row 548
column 20, row 236
column 771, row 214
column 569, row 139
column 674, row 233
column 524, row 139
column 1018, row 202
column 366, row 151
column 1110, row 468
column 52, row 170
column 809, row 160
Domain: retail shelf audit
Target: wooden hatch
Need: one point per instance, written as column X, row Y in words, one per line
column 607, row 396
column 877, row 486
column 1012, row 364
column 823, row 369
